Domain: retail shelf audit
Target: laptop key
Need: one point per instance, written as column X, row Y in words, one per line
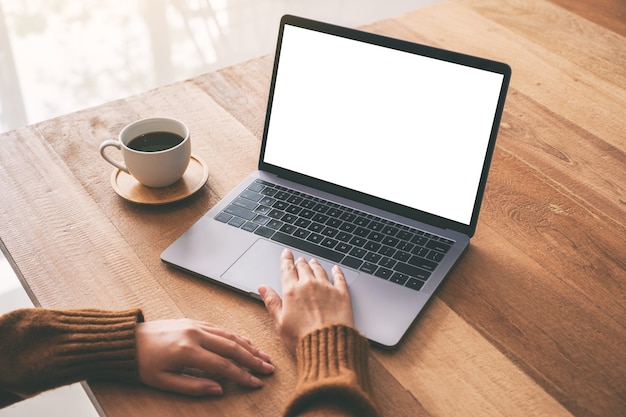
column 412, row 271
column 240, row 212
column 269, row 191
column 307, row 214
column 316, row 227
column 260, row 219
column 281, row 195
column 435, row 256
column 293, row 209
column 399, row 278
column 343, row 247
column 361, row 231
column 358, row 252
column 405, row 246
column 295, row 199
column 249, row 227
column 376, row 226
column 308, row 204
column 372, row 257
column 404, row 256
column 263, row 209
column 275, row 224
column 275, row 214
column 267, row 201
column 386, row 251
column 264, row 231
column 223, row 217
column 347, row 227
column 256, row 187
column 280, row 205
column 390, row 230
column 315, row 238
column 415, row 284
column 245, row 203
column 289, row 218
column 329, row 243
column 419, row 240
column 423, row 263
column 373, row 246
column 351, row 262
column 236, row 221
column 387, row 262
column 288, row 228
column 302, row 222
column 438, row 246
column 301, row 233
column 330, row 232
column 343, row 236
column 357, row 241
column 383, row 273
column 420, row 251
column 361, row 221
column 320, row 218
column 348, row 217
column 250, row 195
column 390, row 241
column 320, row 208
column 368, row 268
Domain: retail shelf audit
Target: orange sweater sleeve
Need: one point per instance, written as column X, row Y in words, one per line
column 333, row 376
column 42, row 349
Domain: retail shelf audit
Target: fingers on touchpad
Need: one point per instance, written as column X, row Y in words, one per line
column 260, row 265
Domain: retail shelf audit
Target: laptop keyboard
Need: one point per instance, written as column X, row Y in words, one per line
column 345, row 236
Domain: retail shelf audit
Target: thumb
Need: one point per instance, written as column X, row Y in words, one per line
column 273, row 303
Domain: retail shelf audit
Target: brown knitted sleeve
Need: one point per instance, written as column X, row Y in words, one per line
column 42, row 349
column 333, row 376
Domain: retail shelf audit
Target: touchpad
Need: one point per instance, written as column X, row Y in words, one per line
column 260, row 265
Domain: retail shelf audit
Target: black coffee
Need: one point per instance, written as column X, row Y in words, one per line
column 155, row 141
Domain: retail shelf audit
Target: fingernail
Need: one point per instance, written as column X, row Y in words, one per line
column 217, row 390
column 264, row 356
column 256, row 381
column 268, row 367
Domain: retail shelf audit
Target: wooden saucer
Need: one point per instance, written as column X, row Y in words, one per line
column 126, row 186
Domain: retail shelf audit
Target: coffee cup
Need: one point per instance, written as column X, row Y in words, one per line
column 155, row 151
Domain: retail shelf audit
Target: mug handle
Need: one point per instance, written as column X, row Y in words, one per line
column 115, row 143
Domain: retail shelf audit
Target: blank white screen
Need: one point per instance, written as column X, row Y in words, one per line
column 402, row 127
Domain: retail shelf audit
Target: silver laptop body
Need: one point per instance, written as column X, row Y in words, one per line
column 375, row 156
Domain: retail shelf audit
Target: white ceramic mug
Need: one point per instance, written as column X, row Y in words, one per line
column 156, row 151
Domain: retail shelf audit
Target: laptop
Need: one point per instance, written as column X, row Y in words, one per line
column 374, row 156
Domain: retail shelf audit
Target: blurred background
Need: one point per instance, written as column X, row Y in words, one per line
column 60, row 56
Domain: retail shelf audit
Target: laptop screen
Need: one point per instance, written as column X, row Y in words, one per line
column 402, row 127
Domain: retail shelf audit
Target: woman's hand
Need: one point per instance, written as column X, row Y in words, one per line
column 184, row 355
column 310, row 301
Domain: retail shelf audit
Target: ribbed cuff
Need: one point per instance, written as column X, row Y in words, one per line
column 98, row 344
column 333, row 376
column 330, row 352
column 51, row 348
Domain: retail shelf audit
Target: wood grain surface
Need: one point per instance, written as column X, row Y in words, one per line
column 532, row 322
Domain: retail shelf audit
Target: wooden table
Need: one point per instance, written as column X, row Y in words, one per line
column 533, row 320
